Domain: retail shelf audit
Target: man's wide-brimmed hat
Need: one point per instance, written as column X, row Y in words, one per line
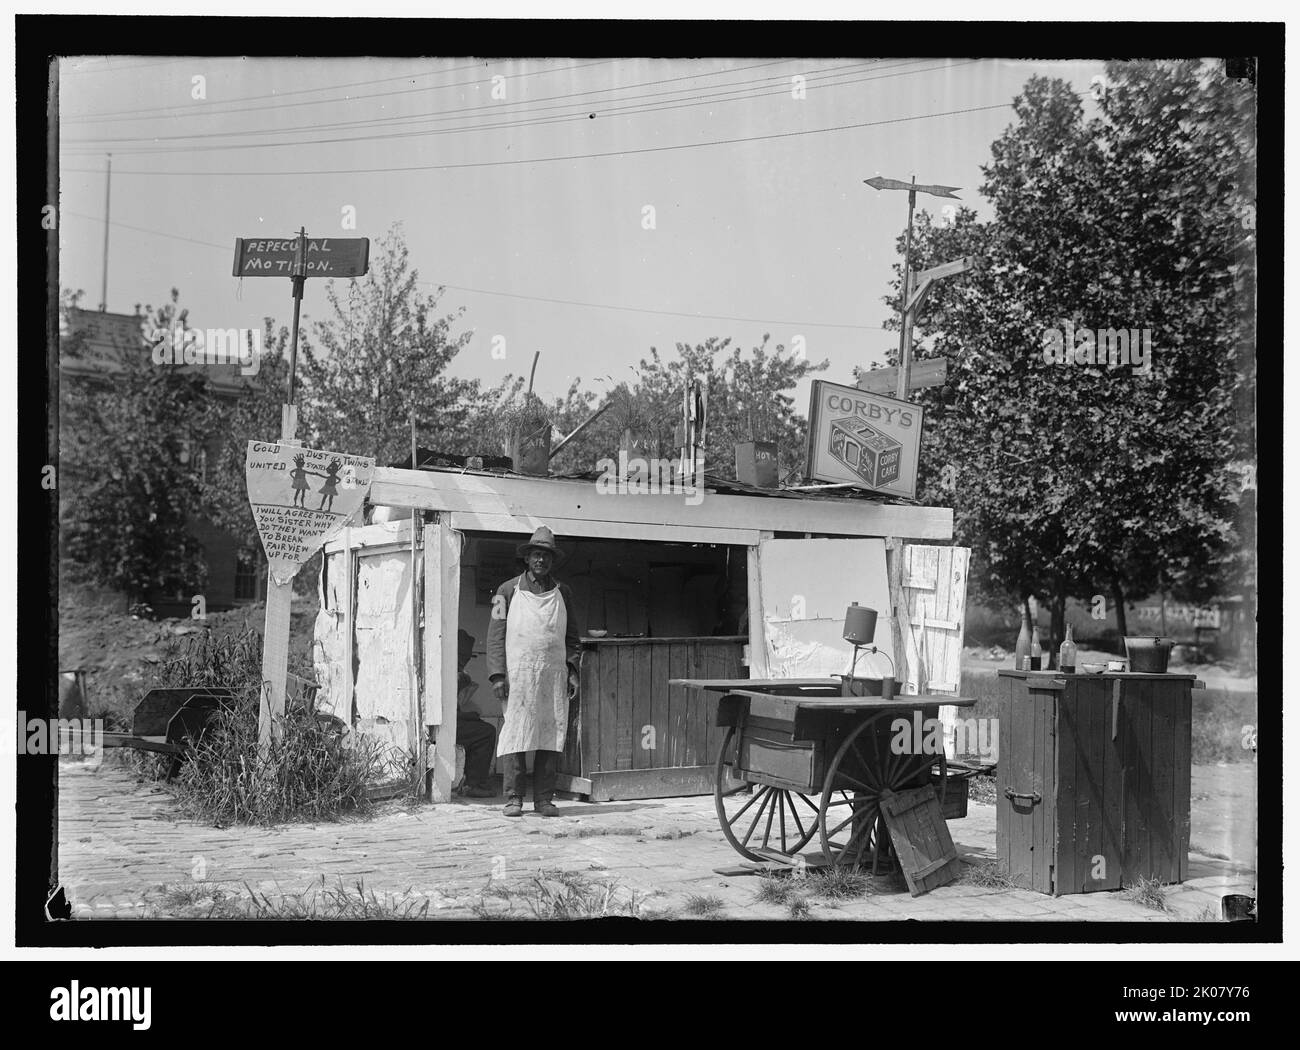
column 543, row 540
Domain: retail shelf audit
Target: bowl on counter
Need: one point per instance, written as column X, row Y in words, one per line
column 1092, row 668
column 596, row 634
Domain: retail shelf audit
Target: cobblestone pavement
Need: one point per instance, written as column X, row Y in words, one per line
column 121, row 841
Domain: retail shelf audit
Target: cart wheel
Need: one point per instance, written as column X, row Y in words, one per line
column 865, row 770
column 783, row 829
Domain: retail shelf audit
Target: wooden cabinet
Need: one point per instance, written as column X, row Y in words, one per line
column 1094, row 779
column 631, row 734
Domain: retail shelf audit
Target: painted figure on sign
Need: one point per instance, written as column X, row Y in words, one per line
column 299, row 478
column 532, row 650
column 331, row 487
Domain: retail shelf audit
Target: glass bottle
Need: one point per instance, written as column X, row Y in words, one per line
column 1023, row 642
column 1069, row 651
column 1035, row 652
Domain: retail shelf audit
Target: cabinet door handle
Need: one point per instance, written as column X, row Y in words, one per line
column 1023, row 796
column 1114, row 711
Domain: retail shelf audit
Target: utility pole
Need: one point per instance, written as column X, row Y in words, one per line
column 108, row 192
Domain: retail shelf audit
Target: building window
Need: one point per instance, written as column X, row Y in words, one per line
column 247, row 576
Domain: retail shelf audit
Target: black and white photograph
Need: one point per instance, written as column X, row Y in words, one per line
column 558, row 476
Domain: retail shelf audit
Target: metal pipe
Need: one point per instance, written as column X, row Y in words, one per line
column 578, row 430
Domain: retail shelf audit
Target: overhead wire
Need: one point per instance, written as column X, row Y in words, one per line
column 193, row 110
column 391, row 170
column 518, row 295
column 634, row 109
column 498, row 107
column 199, row 107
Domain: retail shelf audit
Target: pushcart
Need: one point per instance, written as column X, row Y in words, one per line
column 818, row 767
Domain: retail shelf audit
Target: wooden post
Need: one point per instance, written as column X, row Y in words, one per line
column 905, row 318
column 758, row 664
column 279, row 597
column 418, row 734
column 442, row 604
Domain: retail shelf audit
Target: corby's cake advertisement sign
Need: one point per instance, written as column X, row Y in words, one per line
column 865, row 439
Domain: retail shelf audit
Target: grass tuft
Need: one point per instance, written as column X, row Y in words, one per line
column 987, row 874
column 1150, row 893
column 560, row 895
column 839, row 884
column 798, row 907
column 703, row 905
column 774, row 888
column 201, row 900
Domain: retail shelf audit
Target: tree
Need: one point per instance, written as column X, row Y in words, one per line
column 381, row 357
column 1072, row 477
column 130, row 443
column 252, row 416
column 749, row 399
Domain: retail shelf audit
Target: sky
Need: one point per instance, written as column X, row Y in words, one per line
column 525, row 186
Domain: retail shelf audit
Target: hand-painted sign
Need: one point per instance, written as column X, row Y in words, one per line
column 866, row 439
column 324, row 257
column 301, row 497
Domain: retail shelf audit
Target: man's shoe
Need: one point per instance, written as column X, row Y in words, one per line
column 546, row 809
column 514, row 808
column 474, row 791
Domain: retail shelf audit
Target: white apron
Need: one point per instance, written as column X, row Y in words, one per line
column 537, row 711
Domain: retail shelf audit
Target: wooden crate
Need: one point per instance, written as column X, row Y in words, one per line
column 1094, row 779
column 769, row 752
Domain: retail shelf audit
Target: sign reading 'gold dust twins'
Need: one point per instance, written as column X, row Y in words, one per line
column 302, row 497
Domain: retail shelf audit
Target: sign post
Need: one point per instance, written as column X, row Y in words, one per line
column 296, row 258
column 909, row 302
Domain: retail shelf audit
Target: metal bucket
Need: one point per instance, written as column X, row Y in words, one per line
column 1148, row 655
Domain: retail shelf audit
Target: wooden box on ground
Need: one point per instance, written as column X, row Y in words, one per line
column 631, row 734
column 1094, row 779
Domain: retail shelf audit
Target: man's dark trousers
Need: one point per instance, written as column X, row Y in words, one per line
column 544, row 767
column 477, row 737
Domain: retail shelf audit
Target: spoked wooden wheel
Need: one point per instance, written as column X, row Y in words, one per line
column 773, row 818
column 866, row 770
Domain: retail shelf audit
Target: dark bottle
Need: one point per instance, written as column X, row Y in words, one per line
column 1023, row 642
column 1069, row 651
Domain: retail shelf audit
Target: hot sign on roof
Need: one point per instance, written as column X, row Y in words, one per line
column 868, row 440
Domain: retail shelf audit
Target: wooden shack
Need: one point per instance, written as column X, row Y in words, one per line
column 732, row 581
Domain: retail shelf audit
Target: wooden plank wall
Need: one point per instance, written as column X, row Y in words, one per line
column 628, row 717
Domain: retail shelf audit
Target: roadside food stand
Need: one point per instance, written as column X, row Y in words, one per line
column 730, row 583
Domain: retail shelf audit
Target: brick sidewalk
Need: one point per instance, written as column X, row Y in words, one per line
column 120, row 841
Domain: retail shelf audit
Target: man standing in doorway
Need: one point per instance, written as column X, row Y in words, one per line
column 532, row 654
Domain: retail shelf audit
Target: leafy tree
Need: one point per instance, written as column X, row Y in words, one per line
column 130, row 466
column 380, row 357
column 1072, row 478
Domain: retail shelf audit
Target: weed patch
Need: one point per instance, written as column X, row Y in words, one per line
column 703, row 905
column 1150, row 893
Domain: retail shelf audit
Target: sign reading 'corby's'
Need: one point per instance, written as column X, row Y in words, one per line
column 324, row 257
column 301, row 497
column 865, row 439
